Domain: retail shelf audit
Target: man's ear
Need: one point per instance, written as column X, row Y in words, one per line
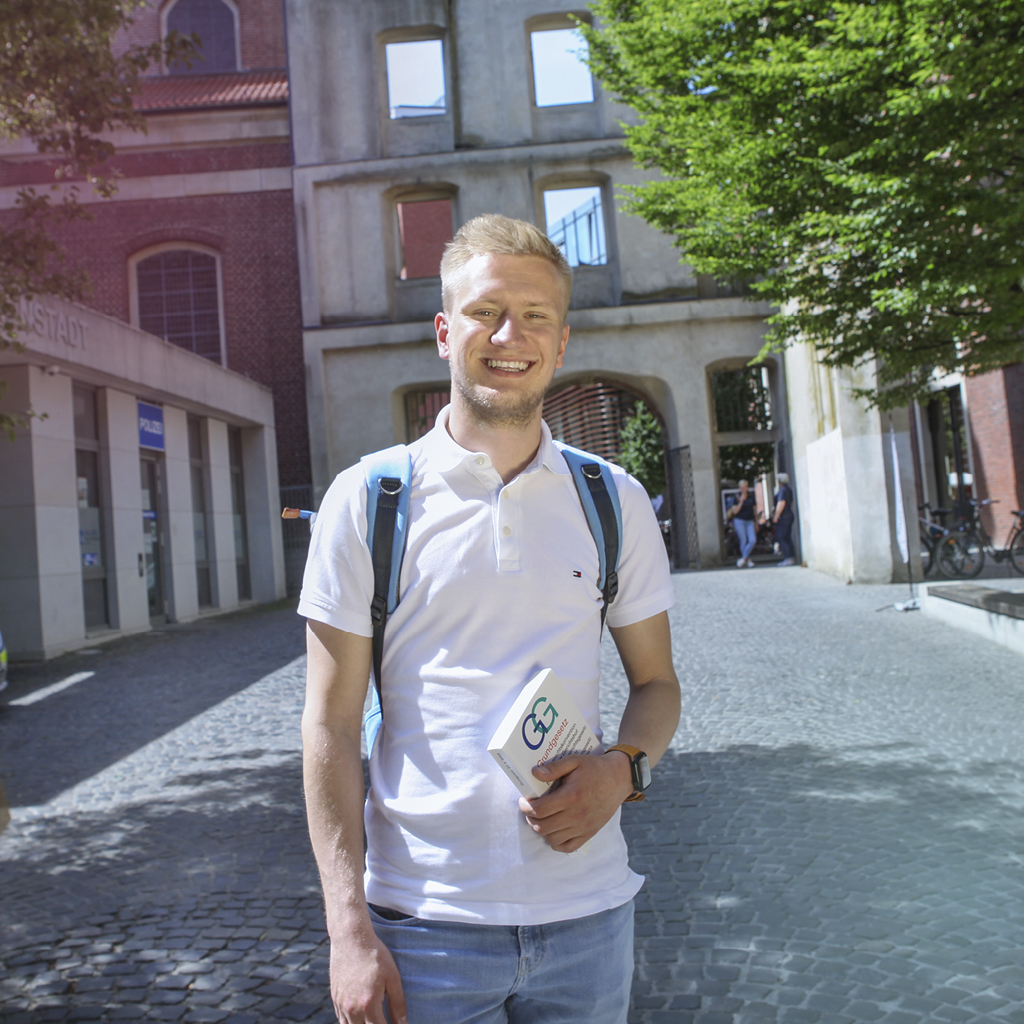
column 441, row 330
column 561, row 347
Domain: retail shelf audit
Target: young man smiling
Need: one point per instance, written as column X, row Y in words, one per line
column 468, row 906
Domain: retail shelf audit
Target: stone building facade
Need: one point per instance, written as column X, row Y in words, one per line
column 383, row 178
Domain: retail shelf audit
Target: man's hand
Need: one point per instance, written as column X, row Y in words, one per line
column 363, row 973
column 593, row 787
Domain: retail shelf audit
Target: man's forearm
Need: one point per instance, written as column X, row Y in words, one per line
column 650, row 717
column 333, row 782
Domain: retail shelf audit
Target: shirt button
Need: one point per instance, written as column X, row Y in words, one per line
column 507, row 530
column 480, row 460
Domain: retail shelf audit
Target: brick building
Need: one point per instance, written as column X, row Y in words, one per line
column 198, row 245
column 995, row 415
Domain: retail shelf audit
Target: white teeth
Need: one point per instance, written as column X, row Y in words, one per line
column 506, row 364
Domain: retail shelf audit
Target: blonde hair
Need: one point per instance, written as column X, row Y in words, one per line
column 495, row 234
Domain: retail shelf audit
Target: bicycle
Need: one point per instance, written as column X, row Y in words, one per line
column 931, row 534
column 961, row 554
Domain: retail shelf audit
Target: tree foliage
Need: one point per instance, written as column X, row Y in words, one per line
column 643, row 450
column 63, row 84
column 860, row 160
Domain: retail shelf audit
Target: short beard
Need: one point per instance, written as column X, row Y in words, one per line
column 509, row 413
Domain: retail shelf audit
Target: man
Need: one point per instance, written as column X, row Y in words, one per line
column 784, row 520
column 472, row 907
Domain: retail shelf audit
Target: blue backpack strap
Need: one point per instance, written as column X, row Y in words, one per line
column 388, row 483
column 600, row 500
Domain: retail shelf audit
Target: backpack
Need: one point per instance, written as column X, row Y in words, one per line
column 388, row 484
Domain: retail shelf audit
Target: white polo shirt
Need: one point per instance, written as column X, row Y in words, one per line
column 498, row 582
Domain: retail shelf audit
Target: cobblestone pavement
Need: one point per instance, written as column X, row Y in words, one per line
column 834, row 836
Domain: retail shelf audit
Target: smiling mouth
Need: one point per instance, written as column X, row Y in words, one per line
column 514, row 365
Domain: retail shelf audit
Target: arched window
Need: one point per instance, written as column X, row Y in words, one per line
column 177, row 296
column 214, row 22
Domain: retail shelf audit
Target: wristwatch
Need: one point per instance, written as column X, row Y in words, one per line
column 638, row 766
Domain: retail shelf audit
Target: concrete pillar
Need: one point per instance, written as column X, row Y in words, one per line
column 180, row 551
column 263, row 513
column 845, row 493
column 19, row 581
column 219, row 514
column 126, row 583
column 40, row 573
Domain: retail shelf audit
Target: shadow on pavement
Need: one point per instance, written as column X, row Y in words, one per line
column 143, row 687
column 847, row 885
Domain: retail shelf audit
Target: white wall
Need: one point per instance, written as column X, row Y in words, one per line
column 844, row 483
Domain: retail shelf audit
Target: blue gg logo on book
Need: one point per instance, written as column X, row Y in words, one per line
column 538, row 726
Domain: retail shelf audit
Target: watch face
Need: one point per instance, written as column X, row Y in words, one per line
column 644, row 770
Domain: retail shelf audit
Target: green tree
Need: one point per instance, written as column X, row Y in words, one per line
column 643, row 450
column 859, row 160
column 64, row 82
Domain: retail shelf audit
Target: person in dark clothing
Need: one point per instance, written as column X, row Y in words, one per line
column 784, row 520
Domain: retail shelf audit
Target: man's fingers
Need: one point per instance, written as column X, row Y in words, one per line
column 396, row 999
column 552, row 770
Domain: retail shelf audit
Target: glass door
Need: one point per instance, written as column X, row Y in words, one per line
column 151, row 537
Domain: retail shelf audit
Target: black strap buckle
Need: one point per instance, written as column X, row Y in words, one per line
column 378, row 606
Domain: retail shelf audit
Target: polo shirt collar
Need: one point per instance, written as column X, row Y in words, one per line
column 446, row 454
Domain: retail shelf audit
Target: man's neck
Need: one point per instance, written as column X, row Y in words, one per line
column 511, row 448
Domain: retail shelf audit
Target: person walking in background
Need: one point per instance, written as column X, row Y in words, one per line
column 743, row 513
column 784, row 520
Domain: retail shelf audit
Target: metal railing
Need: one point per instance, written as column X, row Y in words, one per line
column 580, row 235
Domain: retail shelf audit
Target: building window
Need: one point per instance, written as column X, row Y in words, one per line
column 424, row 228
column 238, row 514
column 575, row 223
column 560, row 72
column 213, row 21
column 90, row 509
column 742, row 399
column 178, row 299
column 415, row 72
column 200, row 518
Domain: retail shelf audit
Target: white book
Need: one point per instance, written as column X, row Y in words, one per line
column 542, row 725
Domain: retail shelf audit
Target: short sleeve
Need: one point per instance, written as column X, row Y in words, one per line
column 337, row 586
column 645, row 582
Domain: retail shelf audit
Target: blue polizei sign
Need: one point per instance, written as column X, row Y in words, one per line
column 151, row 426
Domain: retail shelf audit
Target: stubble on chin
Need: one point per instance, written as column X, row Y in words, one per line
column 509, row 412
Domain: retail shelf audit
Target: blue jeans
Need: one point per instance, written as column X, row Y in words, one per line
column 746, row 531
column 568, row 972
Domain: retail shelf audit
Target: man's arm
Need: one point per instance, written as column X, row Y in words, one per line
column 593, row 787
column 362, row 970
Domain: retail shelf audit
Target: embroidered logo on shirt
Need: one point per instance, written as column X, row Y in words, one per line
column 578, row 575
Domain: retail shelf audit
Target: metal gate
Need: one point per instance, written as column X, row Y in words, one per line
column 683, row 535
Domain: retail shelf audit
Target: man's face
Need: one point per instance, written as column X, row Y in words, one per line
column 504, row 336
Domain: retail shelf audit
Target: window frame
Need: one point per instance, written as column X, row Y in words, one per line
column 407, row 200
column 197, row 68
column 560, row 182
column 413, row 34
column 550, row 23
column 133, row 287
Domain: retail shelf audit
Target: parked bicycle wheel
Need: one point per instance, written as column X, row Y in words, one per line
column 1017, row 551
column 960, row 555
column 927, row 553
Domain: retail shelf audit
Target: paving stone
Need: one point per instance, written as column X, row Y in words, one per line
column 832, row 835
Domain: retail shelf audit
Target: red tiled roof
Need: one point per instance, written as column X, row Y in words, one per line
column 232, row 89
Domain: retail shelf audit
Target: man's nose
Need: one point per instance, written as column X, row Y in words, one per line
column 507, row 332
